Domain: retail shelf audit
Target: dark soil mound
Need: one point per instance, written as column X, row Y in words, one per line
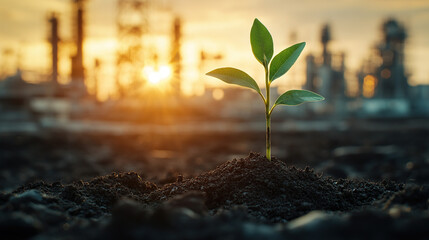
column 274, row 192
column 87, row 199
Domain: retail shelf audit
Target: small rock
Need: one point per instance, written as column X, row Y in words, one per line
column 29, row 196
column 194, row 201
column 260, row 231
column 127, row 213
column 309, row 221
column 45, row 214
column 179, row 178
column 397, row 210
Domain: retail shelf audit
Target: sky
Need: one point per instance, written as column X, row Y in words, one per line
column 221, row 26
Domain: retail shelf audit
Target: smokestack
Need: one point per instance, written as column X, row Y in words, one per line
column 77, row 73
column 54, row 39
column 325, row 39
column 176, row 56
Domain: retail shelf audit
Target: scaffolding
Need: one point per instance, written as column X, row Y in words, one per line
column 132, row 24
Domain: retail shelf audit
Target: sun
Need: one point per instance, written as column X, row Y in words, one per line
column 158, row 75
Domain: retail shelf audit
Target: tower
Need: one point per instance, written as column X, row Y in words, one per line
column 392, row 80
column 77, row 69
column 54, row 39
column 176, row 56
column 325, row 74
column 325, row 39
column 311, row 75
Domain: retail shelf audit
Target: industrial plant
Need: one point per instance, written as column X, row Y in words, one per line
column 383, row 89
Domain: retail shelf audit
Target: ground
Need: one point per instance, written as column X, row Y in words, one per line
column 330, row 184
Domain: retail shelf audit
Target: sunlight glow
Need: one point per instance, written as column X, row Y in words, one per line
column 154, row 75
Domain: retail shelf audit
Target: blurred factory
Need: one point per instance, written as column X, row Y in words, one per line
column 383, row 89
column 21, row 100
column 383, row 78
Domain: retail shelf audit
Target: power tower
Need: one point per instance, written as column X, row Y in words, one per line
column 132, row 24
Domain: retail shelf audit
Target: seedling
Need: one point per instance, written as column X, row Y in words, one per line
column 262, row 47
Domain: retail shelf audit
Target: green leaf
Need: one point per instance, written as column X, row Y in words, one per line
column 262, row 43
column 235, row 76
column 296, row 97
column 283, row 61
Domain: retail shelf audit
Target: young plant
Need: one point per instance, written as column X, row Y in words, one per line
column 262, row 47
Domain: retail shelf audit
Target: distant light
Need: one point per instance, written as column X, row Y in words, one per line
column 368, row 88
column 156, row 76
column 385, row 73
column 218, row 94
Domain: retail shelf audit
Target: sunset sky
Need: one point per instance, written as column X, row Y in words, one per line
column 220, row 26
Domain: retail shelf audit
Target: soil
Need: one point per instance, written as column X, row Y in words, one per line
column 273, row 192
column 243, row 198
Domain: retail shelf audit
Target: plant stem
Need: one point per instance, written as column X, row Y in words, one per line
column 268, row 116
